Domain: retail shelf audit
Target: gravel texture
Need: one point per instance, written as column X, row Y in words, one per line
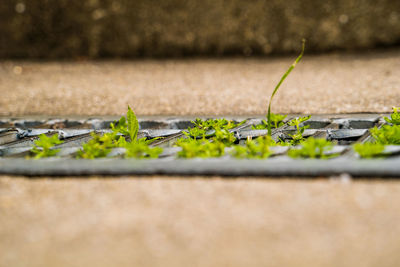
column 194, row 221
column 319, row 84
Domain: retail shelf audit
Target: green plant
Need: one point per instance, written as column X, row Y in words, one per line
column 224, row 136
column 269, row 117
column 101, row 145
column 387, row 135
column 97, row 147
column 312, row 148
column 216, row 124
column 394, row 117
column 201, row 127
column 254, row 149
column 277, row 121
column 298, row 136
column 128, row 126
column 196, row 144
column 141, row 149
column 369, row 150
column 203, row 148
column 196, row 132
column 43, row 147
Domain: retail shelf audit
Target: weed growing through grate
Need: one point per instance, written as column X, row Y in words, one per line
column 202, row 148
column 254, row 149
column 297, row 123
column 197, row 145
column 269, row 117
column 277, row 120
column 98, row 147
column 394, row 117
column 387, row 135
column 312, row 148
column 203, row 128
column 101, row 145
column 128, row 126
column 141, row 149
column 196, row 142
column 369, row 150
column 43, row 147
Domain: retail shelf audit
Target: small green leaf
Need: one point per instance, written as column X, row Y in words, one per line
column 280, row 82
column 133, row 124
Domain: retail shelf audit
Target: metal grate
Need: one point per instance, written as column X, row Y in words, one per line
column 17, row 137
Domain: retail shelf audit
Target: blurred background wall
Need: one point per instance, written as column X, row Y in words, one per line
column 164, row 28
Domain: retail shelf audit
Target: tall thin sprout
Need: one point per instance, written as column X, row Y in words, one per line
column 280, row 82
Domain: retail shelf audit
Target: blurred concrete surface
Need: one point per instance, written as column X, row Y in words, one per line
column 194, row 221
column 333, row 83
column 123, row 28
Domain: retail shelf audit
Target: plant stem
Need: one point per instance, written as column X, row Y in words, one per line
column 280, row 82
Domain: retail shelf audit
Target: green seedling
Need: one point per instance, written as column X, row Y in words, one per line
column 195, row 132
column 277, row 121
column 43, row 147
column 97, row 147
column 369, row 150
column 254, row 149
column 387, row 135
column 216, row 124
column 128, row 126
column 298, row 136
column 141, row 149
column 201, row 127
column 269, row 117
column 203, row 148
column 224, row 136
column 394, row 117
column 312, row 148
column 101, row 145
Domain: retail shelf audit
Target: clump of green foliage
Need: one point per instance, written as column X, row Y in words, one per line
column 123, row 134
column 369, row 150
column 128, row 126
column 277, row 120
column 312, row 148
column 269, row 117
column 43, row 147
column 202, row 148
column 254, row 149
column 297, row 137
column 202, row 127
column 386, row 135
column 197, row 145
column 98, row 147
column 141, row 149
column 394, row 117
column 224, row 136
